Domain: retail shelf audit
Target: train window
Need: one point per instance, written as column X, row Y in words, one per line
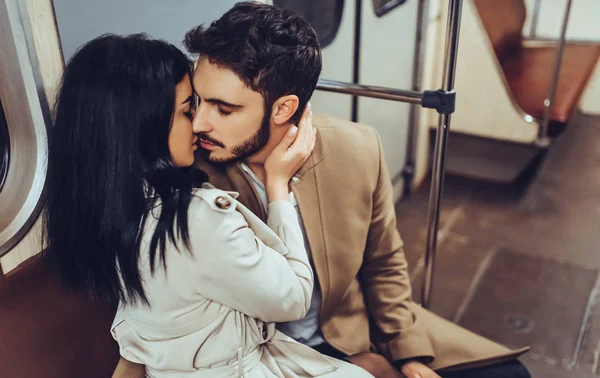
column 324, row 16
column 4, row 147
column 381, row 7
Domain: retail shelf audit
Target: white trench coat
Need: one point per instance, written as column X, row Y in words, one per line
column 213, row 310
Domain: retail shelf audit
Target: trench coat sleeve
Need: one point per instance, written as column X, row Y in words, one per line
column 398, row 333
column 272, row 282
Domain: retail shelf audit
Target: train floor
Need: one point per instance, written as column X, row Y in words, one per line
column 520, row 263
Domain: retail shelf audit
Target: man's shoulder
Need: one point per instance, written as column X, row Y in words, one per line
column 341, row 137
column 337, row 127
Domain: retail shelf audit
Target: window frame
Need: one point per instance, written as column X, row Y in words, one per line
column 387, row 7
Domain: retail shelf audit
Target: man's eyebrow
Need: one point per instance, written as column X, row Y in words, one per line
column 222, row 102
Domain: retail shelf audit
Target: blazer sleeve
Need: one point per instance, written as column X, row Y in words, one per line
column 398, row 333
column 234, row 267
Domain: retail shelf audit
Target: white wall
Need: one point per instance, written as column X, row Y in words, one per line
column 82, row 20
column 338, row 65
column 432, row 79
column 386, row 59
column 583, row 20
column 386, row 56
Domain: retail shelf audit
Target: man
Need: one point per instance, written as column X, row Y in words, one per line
column 258, row 66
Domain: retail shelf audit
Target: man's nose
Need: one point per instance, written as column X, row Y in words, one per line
column 201, row 123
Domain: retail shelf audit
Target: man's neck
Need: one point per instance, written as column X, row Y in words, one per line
column 258, row 169
column 256, row 162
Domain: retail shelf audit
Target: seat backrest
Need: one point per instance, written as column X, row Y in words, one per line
column 46, row 331
column 503, row 21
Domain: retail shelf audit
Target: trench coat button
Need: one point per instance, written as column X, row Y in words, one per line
column 222, row 202
column 265, row 332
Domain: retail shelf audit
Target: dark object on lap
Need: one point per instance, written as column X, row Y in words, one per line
column 330, row 351
column 509, row 369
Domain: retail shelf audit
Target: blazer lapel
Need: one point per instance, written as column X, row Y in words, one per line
column 316, row 156
column 307, row 196
column 248, row 195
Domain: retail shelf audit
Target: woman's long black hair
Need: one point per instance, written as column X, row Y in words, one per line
column 108, row 149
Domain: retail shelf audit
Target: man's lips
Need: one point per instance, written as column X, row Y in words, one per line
column 206, row 145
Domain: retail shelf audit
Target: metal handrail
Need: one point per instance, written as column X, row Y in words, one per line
column 370, row 91
column 425, row 99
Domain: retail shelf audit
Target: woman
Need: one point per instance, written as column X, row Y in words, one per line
column 199, row 278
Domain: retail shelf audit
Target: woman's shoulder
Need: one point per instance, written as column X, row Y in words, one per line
column 208, row 207
column 213, row 199
column 213, row 213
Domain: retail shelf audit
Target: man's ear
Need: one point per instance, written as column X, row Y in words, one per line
column 284, row 108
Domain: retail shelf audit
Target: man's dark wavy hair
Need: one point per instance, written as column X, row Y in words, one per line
column 272, row 50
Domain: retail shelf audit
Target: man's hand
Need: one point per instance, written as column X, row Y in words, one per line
column 289, row 156
column 415, row 369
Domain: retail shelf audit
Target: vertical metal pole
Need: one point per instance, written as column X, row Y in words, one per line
column 437, row 181
column 534, row 19
column 408, row 172
column 543, row 133
column 356, row 62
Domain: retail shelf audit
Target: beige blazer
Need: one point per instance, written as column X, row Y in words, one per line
column 345, row 198
column 212, row 310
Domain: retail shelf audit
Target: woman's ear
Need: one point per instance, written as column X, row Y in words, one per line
column 284, row 108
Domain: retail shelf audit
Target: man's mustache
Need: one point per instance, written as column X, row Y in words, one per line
column 206, row 138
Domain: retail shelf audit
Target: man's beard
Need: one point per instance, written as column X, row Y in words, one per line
column 248, row 148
